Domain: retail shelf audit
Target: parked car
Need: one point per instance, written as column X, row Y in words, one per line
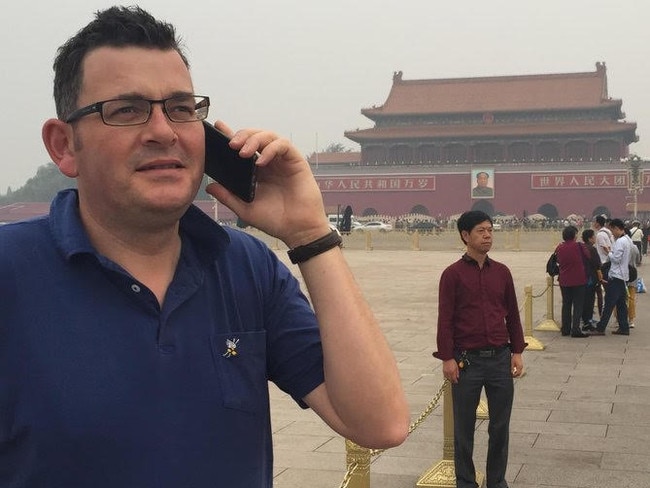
column 337, row 220
column 380, row 226
column 422, row 226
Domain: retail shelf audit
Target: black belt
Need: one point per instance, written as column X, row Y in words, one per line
column 487, row 352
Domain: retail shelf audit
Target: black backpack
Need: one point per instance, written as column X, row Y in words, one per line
column 630, row 269
column 552, row 266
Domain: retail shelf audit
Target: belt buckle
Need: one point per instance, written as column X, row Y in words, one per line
column 486, row 353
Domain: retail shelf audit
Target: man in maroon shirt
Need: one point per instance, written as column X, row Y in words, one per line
column 480, row 341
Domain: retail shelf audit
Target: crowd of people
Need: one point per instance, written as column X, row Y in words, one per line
column 599, row 273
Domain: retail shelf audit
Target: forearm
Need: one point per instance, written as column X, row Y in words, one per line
column 361, row 377
column 616, row 254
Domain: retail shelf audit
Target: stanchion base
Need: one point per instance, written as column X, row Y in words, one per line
column 443, row 475
column 534, row 344
column 482, row 411
column 549, row 325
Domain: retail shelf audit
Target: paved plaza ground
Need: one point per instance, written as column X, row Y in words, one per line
column 581, row 416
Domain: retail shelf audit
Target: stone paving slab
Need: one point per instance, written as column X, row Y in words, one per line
column 581, row 414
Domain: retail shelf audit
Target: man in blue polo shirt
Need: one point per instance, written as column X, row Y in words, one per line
column 137, row 336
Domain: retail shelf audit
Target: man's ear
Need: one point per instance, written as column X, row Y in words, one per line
column 57, row 137
column 464, row 236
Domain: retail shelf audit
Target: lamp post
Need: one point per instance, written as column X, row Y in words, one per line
column 634, row 179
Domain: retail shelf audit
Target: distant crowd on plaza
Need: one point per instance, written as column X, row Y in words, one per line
column 598, row 272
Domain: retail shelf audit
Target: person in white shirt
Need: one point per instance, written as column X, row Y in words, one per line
column 635, row 261
column 604, row 237
column 636, row 234
column 616, row 286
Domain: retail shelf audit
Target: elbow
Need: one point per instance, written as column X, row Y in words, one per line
column 391, row 433
column 393, row 437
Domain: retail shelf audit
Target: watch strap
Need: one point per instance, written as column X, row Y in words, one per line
column 301, row 254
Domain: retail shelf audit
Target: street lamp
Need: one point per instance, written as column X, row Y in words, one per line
column 634, row 180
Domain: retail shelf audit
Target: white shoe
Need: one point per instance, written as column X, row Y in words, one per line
column 632, row 325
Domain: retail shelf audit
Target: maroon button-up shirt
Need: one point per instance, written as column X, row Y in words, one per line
column 477, row 308
column 573, row 258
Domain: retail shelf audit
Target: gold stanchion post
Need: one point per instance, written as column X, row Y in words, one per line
column 416, row 241
column 508, row 235
column 533, row 343
column 368, row 241
column 357, row 459
column 517, row 246
column 482, row 411
column 443, row 474
column 549, row 322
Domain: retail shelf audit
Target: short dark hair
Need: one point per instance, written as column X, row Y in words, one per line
column 569, row 232
column 600, row 220
column 587, row 234
column 113, row 27
column 487, row 175
column 618, row 223
column 468, row 220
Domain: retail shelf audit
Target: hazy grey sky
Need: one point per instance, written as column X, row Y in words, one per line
column 306, row 69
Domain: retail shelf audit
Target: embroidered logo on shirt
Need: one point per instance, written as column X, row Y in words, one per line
column 231, row 348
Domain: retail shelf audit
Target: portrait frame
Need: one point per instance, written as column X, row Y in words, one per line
column 484, row 189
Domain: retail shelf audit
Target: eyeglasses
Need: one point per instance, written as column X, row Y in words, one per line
column 137, row 111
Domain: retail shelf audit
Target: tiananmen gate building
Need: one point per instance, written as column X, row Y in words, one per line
column 549, row 143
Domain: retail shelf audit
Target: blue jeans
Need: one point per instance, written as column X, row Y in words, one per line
column 615, row 296
column 493, row 374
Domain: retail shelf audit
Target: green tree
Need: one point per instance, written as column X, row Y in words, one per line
column 40, row 188
column 48, row 181
column 336, row 147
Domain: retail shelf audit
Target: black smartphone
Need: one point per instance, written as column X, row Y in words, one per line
column 225, row 165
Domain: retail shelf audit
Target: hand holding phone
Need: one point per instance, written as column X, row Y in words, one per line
column 224, row 164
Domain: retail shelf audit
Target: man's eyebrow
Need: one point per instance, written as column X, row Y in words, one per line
column 137, row 95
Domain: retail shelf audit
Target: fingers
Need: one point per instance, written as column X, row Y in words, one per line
column 450, row 371
column 517, row 367
column 248, row 141
column 268, row 144
column 223, row 127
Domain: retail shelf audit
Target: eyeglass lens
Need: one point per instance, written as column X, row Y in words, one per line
column 137, row 111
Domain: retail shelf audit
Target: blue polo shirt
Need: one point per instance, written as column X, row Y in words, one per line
column 100, row 387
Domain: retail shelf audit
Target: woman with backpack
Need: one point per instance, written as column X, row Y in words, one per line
column 572, row 257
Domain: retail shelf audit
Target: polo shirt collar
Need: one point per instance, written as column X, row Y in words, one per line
column 470, row 260
column 71, row 237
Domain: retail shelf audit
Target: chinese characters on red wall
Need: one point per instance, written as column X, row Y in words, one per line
column 552, row 181
column 378, row 183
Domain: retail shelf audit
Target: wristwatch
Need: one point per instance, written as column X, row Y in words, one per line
column 301, row 254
